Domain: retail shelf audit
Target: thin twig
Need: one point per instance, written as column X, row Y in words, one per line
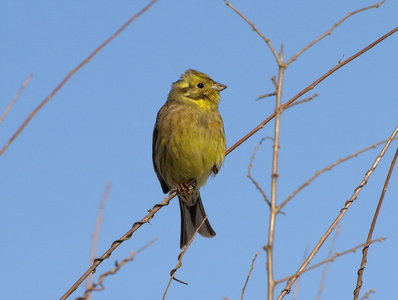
column 328, row 168
column 273, row 79
column 302, row 101
column 248, row 275
column 256, row 30
column 266, row 95
column 15, row 97
column 348, row 203
column 330, row 259
column 256, row 184
column 179, row 263
column 296, row 287
column 310, row 87
column 329, row 32
column 366, row 296
column 94, row 287
column 117, row 243
column 325, row 268
column 372, row 226
column 34, row 112
column 94, row 243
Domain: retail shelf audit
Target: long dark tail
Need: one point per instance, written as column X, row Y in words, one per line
column 191, row 218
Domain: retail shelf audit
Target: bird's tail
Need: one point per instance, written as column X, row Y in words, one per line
column 191, row 218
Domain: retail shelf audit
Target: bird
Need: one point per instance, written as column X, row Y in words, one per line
column 189, row 146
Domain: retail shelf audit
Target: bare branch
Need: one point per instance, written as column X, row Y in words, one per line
column 310, row 87
column 296, row 288
column 265, row 96
column 328, row 168
column 279, row 61
column 96, row 234
column 94, row 287
column 15, row 97
column 329, row 32
column 302, row 101
column 366, row 296
column 329, row 259
column 35, row 111
column 273, row 79
column 117, row 243
column 347, row 205
column 179, row 263
column 274, row 178
column 257, row 185
column 325, row 268
column 248, row 275
column 372, row 226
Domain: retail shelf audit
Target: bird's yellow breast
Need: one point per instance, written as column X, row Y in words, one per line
column 191, row 141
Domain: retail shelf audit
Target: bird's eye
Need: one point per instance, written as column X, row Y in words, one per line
column 200, row 85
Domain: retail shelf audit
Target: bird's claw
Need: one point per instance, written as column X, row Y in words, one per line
column 184, row 189
column 215, row 170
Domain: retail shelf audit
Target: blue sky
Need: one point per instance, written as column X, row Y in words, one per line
column 98, row 128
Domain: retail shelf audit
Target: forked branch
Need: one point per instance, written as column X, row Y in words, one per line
column 329, row 32
column 347, row 205
column 328, row 168
column 329, row 259
column 311, row 86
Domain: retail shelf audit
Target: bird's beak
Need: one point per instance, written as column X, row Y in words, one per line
column 218, row 86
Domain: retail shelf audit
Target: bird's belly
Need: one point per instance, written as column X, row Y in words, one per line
column 191, row 156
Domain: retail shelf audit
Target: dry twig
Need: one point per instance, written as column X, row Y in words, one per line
column 329, row 32
column 328, row 168
column 273, row 79
column 296, row 288
column 278, row 110
column 94, row 287
column 325, row 268
column 366, row 296
column 311, row 86
column 257, row 185
column 347, row 205
column 248, row 275
column 15, row 97
column 96, row 235
column 256, row 30
column 329, row 259
column 274, row 177
column 372, row 226
column 179, row 263
column 302, row 101
column 117, row 243
column 35, row 111
column 266, row 95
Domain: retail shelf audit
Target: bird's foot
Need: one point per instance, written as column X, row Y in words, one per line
column 185, row 189
column 214, row 170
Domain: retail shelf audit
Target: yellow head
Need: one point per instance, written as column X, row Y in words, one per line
column 196, row 87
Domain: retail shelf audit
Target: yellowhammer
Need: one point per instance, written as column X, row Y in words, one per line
column 189, row 144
